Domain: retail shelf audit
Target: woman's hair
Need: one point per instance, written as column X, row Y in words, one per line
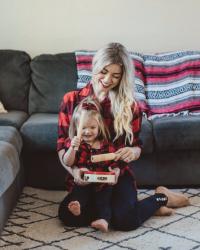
column 91, row 109
column 121, row 96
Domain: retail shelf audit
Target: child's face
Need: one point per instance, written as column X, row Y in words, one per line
column 90, row 130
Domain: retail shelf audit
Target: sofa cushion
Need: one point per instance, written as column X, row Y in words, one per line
column 146, row 136
column 172, row 81
column 52, row 76
column 39, row 132
column 176, row 133
column 9, row 198
column 84, row 71
column 13, row 118
column 14, row 79
column 9, row 165
column 12, row 136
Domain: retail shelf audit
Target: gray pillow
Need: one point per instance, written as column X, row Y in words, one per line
column 52, row 76
column 14, row 79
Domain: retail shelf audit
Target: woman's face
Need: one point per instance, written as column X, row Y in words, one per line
column 109, row 77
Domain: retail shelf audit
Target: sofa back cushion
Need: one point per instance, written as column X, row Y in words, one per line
column 52, row 77
column 84, row 71
column 14, row 79
column 172, row 81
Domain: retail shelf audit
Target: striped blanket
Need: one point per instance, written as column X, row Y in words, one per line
column 172, row 82
column 164, row 83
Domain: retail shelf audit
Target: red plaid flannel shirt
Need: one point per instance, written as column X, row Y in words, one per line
column 71, row 100
column 83, row 160
column 85, row 151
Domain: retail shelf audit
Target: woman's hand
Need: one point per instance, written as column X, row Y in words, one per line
column 78, row 174
column 128, row 154
column 117, row 172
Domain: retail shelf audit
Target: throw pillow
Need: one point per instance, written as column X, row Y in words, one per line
column 172, row 81
column 84, row 70
column 2, row 109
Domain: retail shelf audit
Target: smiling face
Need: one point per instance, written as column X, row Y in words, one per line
column 109, row 77
column 90, row 130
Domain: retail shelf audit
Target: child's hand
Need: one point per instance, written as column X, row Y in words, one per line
column 117, row 173
column 75, row 142
column 78, row 174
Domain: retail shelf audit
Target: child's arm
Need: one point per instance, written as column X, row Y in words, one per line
column 69, row 156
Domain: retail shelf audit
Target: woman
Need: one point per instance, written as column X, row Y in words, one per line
column 112, row 85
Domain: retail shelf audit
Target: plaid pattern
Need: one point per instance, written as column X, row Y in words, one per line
column 83, row 160
column 172, row 82
column 71, row 99
column 85, row 151
column 84, row 70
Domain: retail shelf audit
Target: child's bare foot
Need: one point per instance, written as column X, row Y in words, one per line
column 74, row 208
column 174, row 199
column 100, row 224
column 164, row 211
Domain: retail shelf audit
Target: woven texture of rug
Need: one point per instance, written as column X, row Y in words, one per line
column 34, row 225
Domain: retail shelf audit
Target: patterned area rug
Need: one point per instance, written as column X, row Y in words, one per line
column 34, row 225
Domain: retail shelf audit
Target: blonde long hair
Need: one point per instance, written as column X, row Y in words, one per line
column 121, row 96
column 92, row 110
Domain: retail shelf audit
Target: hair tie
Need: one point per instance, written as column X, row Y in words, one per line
column 89, row 106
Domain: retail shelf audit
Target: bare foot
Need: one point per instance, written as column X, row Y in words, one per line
column 100, row 224
column 164, row 211
column 74, row 208
column 174, row 199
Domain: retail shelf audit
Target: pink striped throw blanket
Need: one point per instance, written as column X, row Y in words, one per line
column 172, row 82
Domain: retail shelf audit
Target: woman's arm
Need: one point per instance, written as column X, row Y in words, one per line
column 63, row 141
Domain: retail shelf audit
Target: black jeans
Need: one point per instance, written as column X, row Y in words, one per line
column 94, row 205
column 127, row 212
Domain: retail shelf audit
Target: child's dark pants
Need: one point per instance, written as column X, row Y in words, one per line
column 94, row 205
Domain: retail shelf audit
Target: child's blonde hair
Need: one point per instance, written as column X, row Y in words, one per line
column 122, row 96
column 92, row 109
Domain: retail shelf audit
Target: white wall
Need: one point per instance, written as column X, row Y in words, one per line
column 54, row 26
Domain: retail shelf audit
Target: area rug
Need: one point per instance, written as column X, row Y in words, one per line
column 34, row 225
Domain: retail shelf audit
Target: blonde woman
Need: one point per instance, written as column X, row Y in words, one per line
column 112, row 85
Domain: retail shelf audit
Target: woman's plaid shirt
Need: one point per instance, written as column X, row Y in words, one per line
column 70, row 101
column 73, row 98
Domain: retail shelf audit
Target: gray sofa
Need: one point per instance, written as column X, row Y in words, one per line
column 32, row 89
